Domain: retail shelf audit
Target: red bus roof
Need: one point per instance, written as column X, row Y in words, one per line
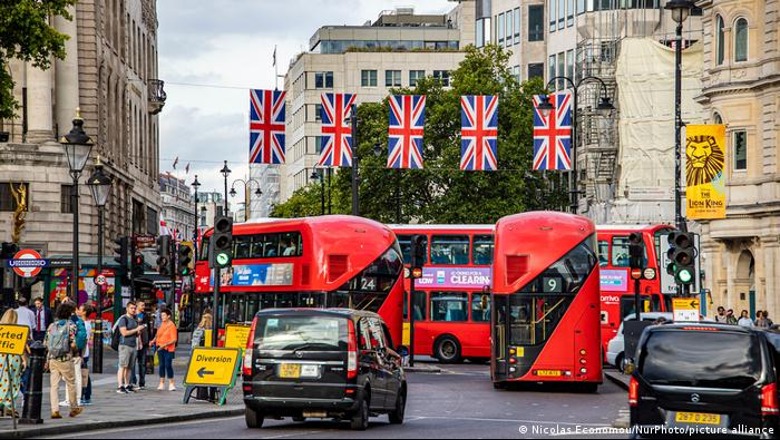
column 424, row 229
column 528, row 243
column 632, row 228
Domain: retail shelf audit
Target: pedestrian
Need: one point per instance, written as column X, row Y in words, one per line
column 25, row 316
column 128, row 347
column 43, row 317
column 730, row 318
column 206, row 323
column 762, row 319
column 721, row 316
column 11, row 369
column 61, row 343
column 143, row 316
column 85, row 398
column 82, row 336
column 744, row 319
column 166, row 340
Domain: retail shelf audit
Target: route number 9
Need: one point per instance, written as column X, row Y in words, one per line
column 552, row 285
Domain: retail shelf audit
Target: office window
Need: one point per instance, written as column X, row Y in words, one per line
column 392, row 78
column 8, row 199
column 570, row 64
column 536, row 23
column 741, row 40
column 510, row 25
column 66, row 207
column 368, row 78
column 561, row 13
column 569, row 13
column 317, row 112
column 580, row 7
column 720, row 40
column 517, row 25
column 561, row 71
column 536, row 70
column 551, row 67
column 500, row 29
column 323, row 80
column 551, row 5
column 479, row 38
column 740, row 150
column 443, row 76
column 414, row 76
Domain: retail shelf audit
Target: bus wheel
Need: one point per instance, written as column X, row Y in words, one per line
column 448, row 350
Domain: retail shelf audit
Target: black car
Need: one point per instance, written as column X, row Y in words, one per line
column 322, row 363
column 703, row 379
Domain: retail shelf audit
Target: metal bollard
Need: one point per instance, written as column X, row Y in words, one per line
column 33, row 396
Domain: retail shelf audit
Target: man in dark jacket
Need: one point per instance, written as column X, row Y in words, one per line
column 138, row 375
column 43, row 318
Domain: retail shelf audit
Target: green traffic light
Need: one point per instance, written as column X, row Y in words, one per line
column 223, row 259
column 685, row 276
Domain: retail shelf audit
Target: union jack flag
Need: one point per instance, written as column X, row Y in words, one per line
column 407, row 119
column 479, row 133
column 336, row 130
column 552, row 135
column 266, row 126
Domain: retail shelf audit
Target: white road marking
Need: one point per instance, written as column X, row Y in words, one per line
column 525, row 422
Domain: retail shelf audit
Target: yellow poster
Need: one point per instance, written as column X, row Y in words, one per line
column 705, row 171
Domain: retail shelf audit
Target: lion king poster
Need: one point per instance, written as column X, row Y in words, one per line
column 705, row 171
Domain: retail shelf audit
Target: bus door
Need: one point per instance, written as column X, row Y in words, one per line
column 499, row 320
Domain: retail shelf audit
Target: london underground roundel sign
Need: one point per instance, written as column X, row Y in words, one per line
column 27, row 263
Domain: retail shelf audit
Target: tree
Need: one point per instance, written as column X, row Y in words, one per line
column 441, row 192
column 25, row 34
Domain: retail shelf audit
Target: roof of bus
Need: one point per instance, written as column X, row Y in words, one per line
column 263, row 223
column 448, row 228
column 633, row 227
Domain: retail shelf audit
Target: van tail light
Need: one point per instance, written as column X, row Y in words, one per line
column 247, row 367
column 633, row 392
column 352, row 368
column 769, row 406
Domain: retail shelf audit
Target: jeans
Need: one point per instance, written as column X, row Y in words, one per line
column 166, row 363
column 139, row 372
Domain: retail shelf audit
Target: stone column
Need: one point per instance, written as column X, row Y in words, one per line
column 771, row 249
column 67, row 74
column 39, row 105
column 731, row 273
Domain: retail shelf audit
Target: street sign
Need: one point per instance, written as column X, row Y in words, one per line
column 212, row 367
column 236, row 335
column 27, row 263
column 101, row 280
column 144, row 241
column 685, row 309
column 636, row 273
column 13, row 338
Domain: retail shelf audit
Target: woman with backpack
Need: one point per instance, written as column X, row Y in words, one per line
column 166, row 339
column 61, row 343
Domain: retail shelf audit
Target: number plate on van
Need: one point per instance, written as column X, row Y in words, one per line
column 296, row 371
column 697, row 418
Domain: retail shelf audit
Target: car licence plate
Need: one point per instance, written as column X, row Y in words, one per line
column 697, row 418
column 289, row 371
column 310, row 370
column 548, row 373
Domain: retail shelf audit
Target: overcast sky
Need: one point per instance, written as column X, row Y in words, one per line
column 212, row 52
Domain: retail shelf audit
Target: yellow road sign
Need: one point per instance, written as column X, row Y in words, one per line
column 212, row 366
column 13, row 338
column 236, row 335
column 685, row 309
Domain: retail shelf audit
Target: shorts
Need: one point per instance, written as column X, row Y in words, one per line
column 127, row 356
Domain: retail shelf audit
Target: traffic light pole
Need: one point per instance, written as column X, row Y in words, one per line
column 174, row 254
column 215, row 300
column 637, row 299
column 97, row 344
column 411, row 319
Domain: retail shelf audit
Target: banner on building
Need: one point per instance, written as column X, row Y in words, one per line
column 705, row 171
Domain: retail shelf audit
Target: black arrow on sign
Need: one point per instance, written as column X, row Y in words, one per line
column 694, row 304
column 203, row 371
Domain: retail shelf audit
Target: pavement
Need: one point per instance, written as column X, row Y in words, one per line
column 112, row 410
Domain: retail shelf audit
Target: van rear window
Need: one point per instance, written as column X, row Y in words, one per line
column 701, row 359
column 307, row 333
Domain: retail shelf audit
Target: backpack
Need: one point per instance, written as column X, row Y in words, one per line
column 81, row 334
column 58, row 339
column 116, row 335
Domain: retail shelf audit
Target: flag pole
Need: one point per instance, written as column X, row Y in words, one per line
column 276, row 71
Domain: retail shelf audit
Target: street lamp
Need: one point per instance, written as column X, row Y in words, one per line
column 321, row 176
column 77, row 147
column 545, row 107
column 355, row 162
column 100, row 186
column 225, row 172
column 196, row 185
column 247, row 199
column 680, row 9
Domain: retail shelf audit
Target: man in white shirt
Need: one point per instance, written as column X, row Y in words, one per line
column 25, row 315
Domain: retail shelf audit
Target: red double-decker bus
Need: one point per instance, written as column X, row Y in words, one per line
column 545, row 318
column 617, row 287
column 451, row 302
column 327, row 261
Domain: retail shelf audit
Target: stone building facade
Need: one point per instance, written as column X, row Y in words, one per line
column 741, row 89
column 110, row 74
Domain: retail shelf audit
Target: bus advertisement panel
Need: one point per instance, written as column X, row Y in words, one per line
column 545, row 315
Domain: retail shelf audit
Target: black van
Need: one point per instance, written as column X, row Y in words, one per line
column 322, row 363
column 705, row 379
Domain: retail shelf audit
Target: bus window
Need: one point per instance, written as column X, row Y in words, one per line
column 204, row 249
column 483, row 249
column 480, row 307
column 418, row 305
column 290, row 245
column 449, row 306
column 603, row 253
column 450, row 249
column 405, row 241
column 242, row 245
column 620, row 251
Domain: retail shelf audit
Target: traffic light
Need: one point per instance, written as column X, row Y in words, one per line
column 418, row 255
column 682, row 255
column 137, row 265
column 8, row 250
column 164, row 254
column 185, row 258
column 636, row 251
column 122, row 253
column 222, row 242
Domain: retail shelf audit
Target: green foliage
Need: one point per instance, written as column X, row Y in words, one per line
column 25, row 34
column 441, row 192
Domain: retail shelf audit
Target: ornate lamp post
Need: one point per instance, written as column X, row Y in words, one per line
column 77, row 147
column 680, row 9
column 545, row 107
column 225, row 172
column 196, row 185
column 100, row 186
column 247, row 199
